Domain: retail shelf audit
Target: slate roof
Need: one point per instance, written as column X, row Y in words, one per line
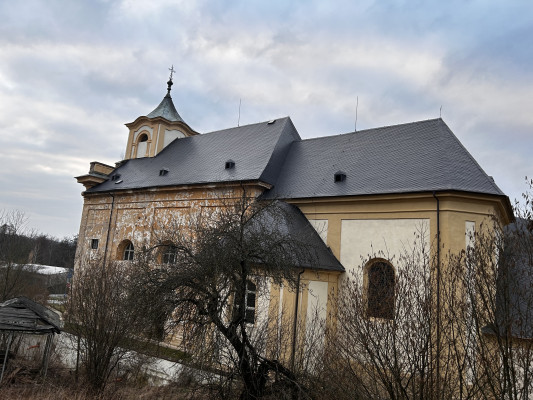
column 310, row 250
column 258, row 151
column 414, row 157
column 24, row 315
column 166, row 110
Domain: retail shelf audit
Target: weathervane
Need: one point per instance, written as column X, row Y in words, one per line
column 170, row 83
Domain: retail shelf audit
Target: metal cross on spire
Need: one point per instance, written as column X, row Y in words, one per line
column 171, row 69
column 170, row 83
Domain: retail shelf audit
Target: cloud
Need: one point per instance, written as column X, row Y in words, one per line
column 72, row 73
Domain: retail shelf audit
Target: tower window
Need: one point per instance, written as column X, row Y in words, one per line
column 380, row 289
column 143, row 147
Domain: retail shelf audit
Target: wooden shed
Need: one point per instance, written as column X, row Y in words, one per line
column 22, row 316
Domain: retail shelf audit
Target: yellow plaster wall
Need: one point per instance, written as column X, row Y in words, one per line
column 455, row 209
column 137, row 214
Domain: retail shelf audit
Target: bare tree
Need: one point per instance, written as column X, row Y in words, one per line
column 384, row 345
column 104, row 311
column 486, row 323
column 221, row 259
column 490, row 310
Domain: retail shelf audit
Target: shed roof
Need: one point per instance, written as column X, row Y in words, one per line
column 24, row 315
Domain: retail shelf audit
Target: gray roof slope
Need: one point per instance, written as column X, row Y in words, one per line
column 413, row 157
column 166, row 110
column 257, row 150
column 288, row 135
column 308, row 248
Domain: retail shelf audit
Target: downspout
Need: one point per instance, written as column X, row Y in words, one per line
column 295, row 322
column 438, row 293
column 109, row 226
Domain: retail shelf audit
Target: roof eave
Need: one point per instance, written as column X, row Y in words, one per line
column 184, row 186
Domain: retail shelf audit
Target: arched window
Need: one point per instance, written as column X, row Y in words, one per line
column 380, row 283
column 142, row 145
column 129, row 252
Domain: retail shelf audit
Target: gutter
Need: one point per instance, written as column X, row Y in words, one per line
column 438, row 292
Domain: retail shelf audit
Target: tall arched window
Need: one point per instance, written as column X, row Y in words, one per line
column 380, row 286
column 129, row 252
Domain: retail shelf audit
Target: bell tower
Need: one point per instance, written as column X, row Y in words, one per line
column 152, row 133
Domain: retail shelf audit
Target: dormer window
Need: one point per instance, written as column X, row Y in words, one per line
column 163, row 171
column 230, row 164
column 114, row 177
column 339, row 177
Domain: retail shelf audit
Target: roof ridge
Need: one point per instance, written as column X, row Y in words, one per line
column 374, row 129
column 244, row 126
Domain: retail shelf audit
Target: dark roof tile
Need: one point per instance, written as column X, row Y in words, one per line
column 414, row 157
column 258, row 151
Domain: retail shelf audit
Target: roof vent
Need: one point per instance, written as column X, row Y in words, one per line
column 230, row 164
column 117, row 182
column 115, row 177
column 339, row 176
column 271, row 121
column 163, row 171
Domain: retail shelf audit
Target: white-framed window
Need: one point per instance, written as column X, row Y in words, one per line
column 129, row 252
column 169, row 255
column 249, row 302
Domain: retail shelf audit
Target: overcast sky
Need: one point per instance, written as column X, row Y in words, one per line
column 73, row 72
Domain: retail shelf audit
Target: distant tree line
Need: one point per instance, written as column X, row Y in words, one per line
column 26, row 247
column 20, row 247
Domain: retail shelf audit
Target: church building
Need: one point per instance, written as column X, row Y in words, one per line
column 366, row 193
